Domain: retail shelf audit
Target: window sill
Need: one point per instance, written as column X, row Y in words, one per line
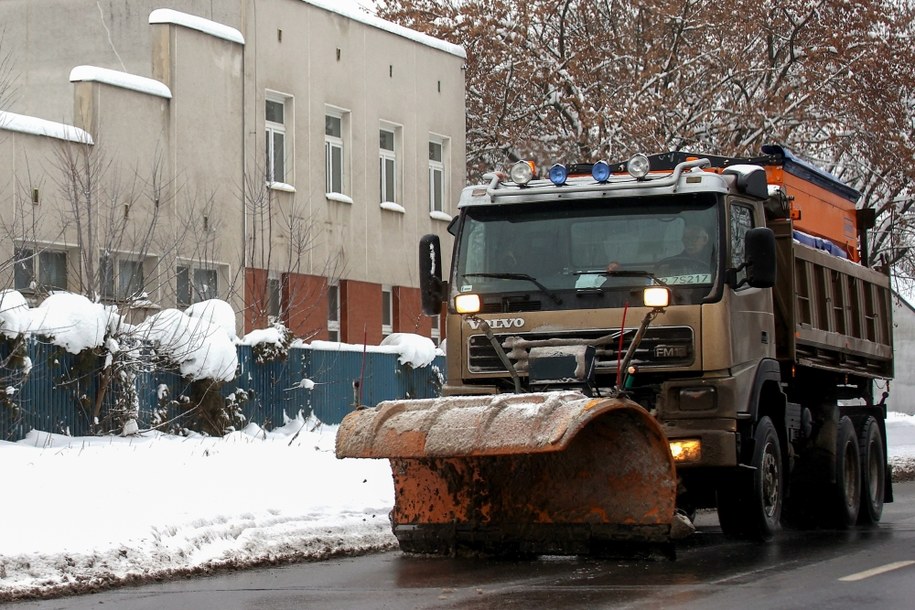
column 281, row 186
column 440, row 216
column 339, row 197
column 392, row 207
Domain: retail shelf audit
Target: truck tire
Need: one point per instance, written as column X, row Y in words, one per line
column 873, row 464
column 751, row 508
column 848, row 475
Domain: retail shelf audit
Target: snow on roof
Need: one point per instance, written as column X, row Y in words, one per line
column 357, row 15
column 219, row 30
column 120, row 79
column 11, row 121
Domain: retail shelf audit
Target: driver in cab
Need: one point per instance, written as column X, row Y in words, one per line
column 695, row 257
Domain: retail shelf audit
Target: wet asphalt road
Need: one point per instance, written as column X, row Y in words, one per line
column 861, row 567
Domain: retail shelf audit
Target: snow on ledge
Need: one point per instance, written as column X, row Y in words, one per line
column 219, row 30
column 436, row 215
column 371, row 20
column 123, row 80
column 281, row 186
column 21, row 123
column 339, row 197
column 392, row 207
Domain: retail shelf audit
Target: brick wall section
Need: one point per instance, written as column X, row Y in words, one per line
column 255, row 299
column 360, row 312
column 304, row 301
column 408, row 314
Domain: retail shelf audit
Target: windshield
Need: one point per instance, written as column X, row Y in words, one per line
column 552, row 248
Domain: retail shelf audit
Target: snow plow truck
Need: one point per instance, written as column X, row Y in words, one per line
column 630, row 342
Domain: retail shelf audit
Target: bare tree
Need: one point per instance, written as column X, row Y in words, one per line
column 561, row 80
column 280, row 238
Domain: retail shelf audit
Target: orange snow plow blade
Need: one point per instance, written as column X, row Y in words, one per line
column 551, row 473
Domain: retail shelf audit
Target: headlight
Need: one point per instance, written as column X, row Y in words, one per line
column 467, row 303
column 521, row 172
column 638, row 166
column 686, row 450
column 656, row 296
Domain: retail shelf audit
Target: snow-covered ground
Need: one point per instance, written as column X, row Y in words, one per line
column 78, row 514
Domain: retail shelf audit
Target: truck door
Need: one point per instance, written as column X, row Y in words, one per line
column 751, row 314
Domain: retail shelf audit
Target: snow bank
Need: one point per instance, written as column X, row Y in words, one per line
column 83, row 513
column 202, row 349
column 69, row 320
column 414, row 350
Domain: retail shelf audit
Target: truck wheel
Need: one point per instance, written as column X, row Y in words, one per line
column 752, row 509
column 848, row 475
column 873, row 463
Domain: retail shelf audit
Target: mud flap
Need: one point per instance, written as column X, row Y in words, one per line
column 552, row 473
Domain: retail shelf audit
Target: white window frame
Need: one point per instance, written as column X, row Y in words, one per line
column 392, row 157
column 441, row 168
column 333, row 312
column 387, row 329
column 274, row 129
column 332, row 143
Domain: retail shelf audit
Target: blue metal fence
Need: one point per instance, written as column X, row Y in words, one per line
column 58, row 394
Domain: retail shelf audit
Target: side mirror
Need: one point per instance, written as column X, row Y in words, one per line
column 759, row 248
column 430, row 275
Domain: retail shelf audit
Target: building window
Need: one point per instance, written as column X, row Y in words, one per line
column 437, row 182
column 388, row 167
column 333, row 312
column 387, row 311
column 274, row 298
column 51, row 272
column 196, row 284
column 436, row 334
column 127, row 275
column 333, row 153
column 24, row 270
column 277, row 147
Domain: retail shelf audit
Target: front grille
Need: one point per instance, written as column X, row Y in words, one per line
column 662, row 346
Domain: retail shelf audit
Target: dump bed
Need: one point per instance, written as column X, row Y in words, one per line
column 830, row 313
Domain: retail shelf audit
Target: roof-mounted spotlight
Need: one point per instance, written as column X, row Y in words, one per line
column 600, row 171
column 522, row 172
column 638, row 166
column 558, row 174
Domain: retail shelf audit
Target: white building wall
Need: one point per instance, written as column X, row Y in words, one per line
column 902, row 387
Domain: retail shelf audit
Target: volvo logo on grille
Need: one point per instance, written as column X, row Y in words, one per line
column 671, row 351
column 498, row 323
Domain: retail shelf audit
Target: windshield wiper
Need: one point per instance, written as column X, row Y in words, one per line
column 520, row 276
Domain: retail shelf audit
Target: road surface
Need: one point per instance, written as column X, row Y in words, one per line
column 861, row 567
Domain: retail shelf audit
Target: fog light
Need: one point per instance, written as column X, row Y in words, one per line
column 686, row 450
column 638, row 166
column 467, row 303
column 521, row 172
column 558, row 174
column 600, row 171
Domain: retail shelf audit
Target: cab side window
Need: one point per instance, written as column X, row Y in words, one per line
column 741, row 222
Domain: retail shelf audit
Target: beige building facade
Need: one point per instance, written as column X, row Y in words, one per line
column 283, row 155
